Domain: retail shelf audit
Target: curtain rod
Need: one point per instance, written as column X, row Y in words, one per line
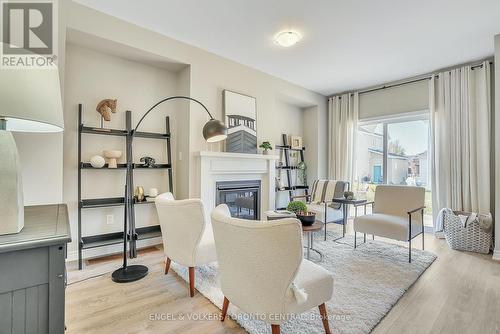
column 428, row 77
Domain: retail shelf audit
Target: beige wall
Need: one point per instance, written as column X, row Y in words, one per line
column 210, row 75
column 91, row 75
column 315, row 131
column 496, row 135
column 205, row 79
column 180, row 154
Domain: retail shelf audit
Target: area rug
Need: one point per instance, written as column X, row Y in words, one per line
column 368, row 281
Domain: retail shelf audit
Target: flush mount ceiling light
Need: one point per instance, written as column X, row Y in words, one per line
column 287, row 38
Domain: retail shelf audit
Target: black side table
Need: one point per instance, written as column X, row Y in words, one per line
column 345, row 210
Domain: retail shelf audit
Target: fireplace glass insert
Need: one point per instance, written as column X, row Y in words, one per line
column 242, row 198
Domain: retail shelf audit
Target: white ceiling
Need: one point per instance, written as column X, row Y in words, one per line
column 346, row 44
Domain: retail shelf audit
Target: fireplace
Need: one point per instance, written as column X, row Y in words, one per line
column 242, row 198
column 217, row 168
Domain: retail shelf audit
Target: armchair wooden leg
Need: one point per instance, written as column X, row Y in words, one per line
column 324, row 318
column 355, row 236
column 167, row 265
column 191, row 281
column 275, row 329
column 225, row 305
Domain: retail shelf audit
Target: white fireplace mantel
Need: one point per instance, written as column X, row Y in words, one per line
column 237, row 155
column 223, row 166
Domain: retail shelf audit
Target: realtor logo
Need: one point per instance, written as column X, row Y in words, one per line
column 28, row 33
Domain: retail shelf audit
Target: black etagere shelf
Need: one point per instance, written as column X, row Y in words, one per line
column 287, row 167
column 288, row 147
column 133, row 234
column 108, row 239
column 107, row 201
column 86, row 165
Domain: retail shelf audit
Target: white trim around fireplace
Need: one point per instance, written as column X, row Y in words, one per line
column 224, row 166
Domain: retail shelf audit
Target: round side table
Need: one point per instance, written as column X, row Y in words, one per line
column 309, row 233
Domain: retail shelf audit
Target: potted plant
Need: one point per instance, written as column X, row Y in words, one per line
column 300, row 209
column 266, row 146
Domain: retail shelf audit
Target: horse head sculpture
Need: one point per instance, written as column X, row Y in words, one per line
column 105, row 106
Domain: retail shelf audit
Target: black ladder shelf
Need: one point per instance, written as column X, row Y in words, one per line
column 133, row 234
column 291, row 188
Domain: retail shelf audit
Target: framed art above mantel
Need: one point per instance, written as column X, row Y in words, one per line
column 240, row 117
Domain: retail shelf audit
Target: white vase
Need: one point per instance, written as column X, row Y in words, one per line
column 153, row 192
column 112, row 156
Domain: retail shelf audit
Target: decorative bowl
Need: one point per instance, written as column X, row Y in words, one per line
column 97, row 161
column 306, row 218
column 112, row 155
column 348, row 195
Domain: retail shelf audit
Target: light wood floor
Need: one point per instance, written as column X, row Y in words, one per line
column 459, row 293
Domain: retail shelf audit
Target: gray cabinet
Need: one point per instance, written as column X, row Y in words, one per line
column 32, row 273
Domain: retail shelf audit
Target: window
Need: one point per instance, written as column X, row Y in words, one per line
column 408, row 143
column 394, row 151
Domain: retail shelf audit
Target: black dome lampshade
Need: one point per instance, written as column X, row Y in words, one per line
column 214, row 131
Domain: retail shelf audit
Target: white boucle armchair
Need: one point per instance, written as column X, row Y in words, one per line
column 398, row 214
column 187, row 236
column 262, row 271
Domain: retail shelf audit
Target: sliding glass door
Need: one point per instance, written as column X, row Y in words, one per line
column 369, row 159
column 394, row 151
column 407, row 149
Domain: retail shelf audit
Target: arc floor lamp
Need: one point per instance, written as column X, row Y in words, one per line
column 213, row 131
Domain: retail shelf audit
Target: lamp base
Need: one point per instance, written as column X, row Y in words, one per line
column 11, row 186
column 129, row 274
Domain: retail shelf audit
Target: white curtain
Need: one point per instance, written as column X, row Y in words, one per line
column 460, row 107
column 342, row 127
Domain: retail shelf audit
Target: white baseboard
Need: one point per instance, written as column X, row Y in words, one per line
column 110, row 250
column 496, row 255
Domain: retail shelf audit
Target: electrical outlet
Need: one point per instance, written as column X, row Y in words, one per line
column 180, row 156
column 110, row 219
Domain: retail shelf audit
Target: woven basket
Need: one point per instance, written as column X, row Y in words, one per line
column 471, row 238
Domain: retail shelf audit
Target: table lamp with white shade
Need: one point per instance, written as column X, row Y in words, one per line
column 30, row 101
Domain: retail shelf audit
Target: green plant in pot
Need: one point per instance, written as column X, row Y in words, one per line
column 266, row 146
column 300, row 209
